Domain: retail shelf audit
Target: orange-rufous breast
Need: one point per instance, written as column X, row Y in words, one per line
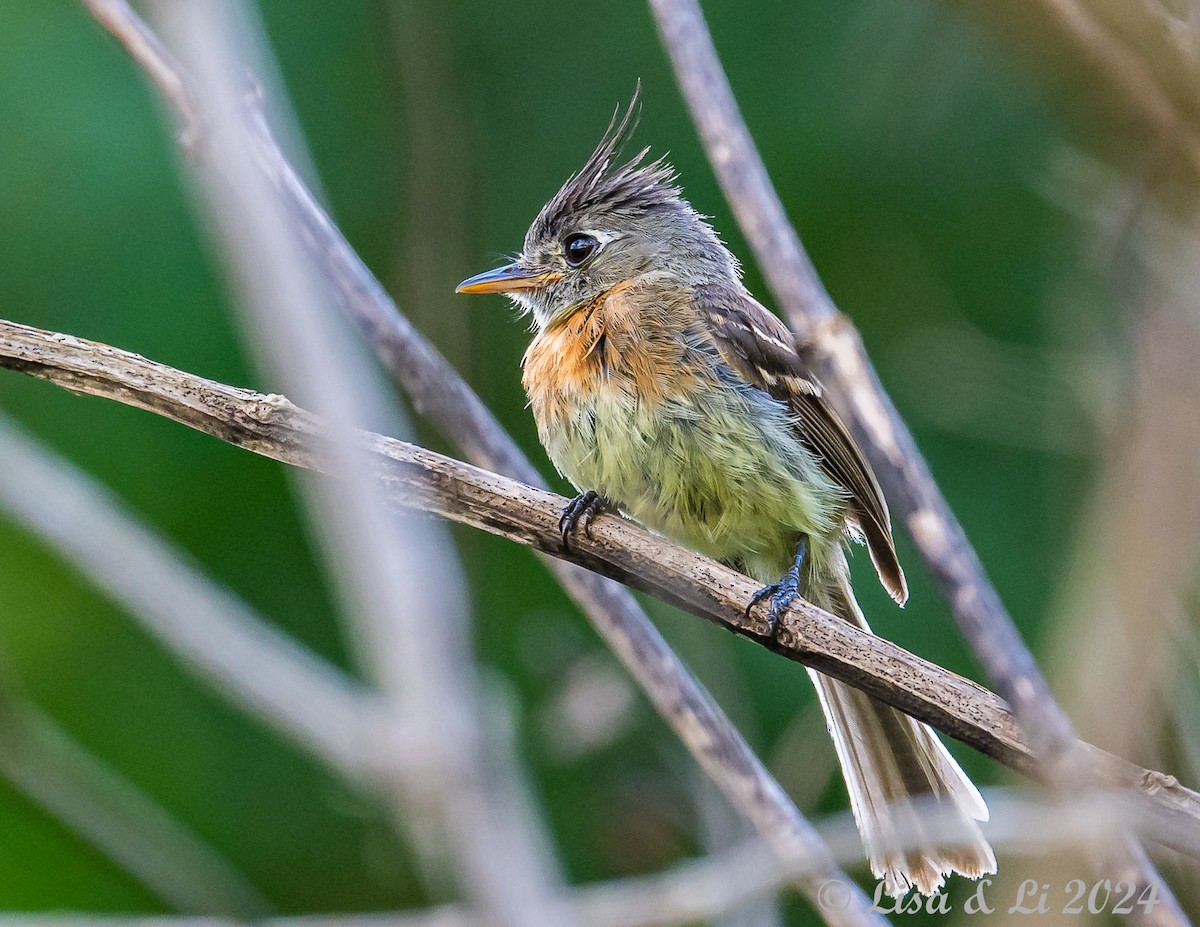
column 617, row 341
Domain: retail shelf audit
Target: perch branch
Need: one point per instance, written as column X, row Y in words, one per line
column 444, row 398
column 272, row 426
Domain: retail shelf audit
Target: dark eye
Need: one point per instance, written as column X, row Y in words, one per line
column 578, row 248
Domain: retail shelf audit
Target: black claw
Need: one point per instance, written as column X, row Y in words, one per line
column 782, row 593
column 579, row 513
column 759, row 596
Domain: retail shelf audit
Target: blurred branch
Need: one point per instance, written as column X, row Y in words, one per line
column 1117, row 667
column 213, row 632
column 448, row 794
column 145, row 48
column 444, row 398
column 122, row 822
column 835, row 351
column 1130, row 68
column 274, row 427
column 699, row 890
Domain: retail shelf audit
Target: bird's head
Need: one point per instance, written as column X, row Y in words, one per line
column 609, row 223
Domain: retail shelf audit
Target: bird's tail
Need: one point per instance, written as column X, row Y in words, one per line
column 888, row 759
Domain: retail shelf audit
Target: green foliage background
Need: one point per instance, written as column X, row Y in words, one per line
column 910, row 153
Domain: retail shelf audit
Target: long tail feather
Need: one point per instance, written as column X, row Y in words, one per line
column 887, row 760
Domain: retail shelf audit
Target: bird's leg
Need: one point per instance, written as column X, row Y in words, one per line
column 579, row 513
column 784, row 592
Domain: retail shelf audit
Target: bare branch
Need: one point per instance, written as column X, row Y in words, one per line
column 275, row 428
column 1140, row 77
column 1116, row 669
column 836, row 354
column 145, row 48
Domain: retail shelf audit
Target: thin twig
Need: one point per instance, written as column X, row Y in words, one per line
column 145, row 48
column 1130, row 81
column 444, row 398
column 416, row 477
column 1116, row 669
column 836, row 354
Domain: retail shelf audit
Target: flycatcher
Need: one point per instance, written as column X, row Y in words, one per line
column 662, row 389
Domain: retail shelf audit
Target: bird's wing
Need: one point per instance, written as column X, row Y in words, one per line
column 760, row 348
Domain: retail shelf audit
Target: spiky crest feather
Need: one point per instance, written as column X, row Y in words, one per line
column 628, row 190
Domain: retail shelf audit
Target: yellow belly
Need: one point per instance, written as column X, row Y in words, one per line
column 694, row 453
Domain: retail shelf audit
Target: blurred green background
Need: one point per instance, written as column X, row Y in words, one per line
column 913, row 157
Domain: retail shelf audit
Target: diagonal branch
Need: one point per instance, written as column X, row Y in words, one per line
column 1140, row 103
column 836, row 354
column 441, row 395
column 272, row 426
column 847, row 375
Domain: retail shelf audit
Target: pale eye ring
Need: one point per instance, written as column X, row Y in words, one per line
column 579, row 247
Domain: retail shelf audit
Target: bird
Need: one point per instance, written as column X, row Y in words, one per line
column 665, row 392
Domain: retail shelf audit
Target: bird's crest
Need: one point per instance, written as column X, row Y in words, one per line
column 626, row 190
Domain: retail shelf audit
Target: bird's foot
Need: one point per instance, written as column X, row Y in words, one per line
column 579, row 513
column 783, row 592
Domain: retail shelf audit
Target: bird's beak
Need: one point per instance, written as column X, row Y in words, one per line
column 507, row 279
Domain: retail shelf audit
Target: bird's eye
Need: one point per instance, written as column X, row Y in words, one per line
column 578, row 248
